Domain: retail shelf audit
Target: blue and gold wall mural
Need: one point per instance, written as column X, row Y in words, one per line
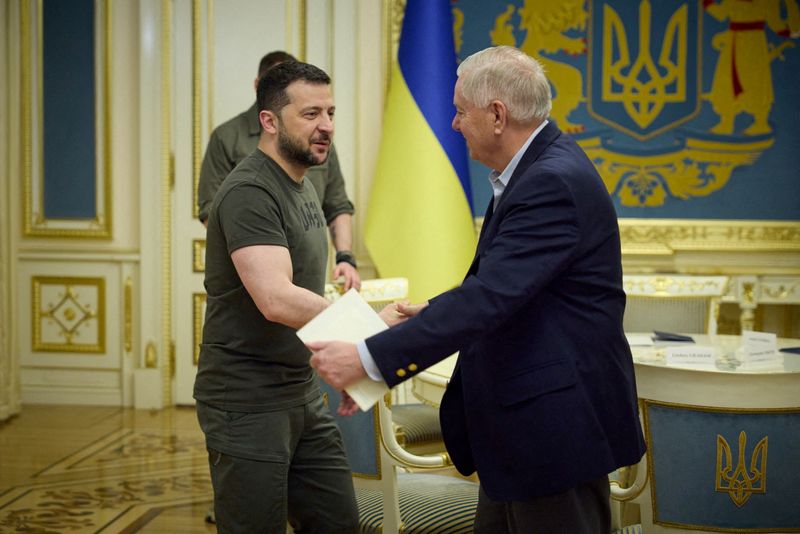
column 65, row 117
column 688, row 108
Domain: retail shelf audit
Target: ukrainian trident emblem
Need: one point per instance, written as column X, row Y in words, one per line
column 645, row 83
column 740, row 481
column 667, row 98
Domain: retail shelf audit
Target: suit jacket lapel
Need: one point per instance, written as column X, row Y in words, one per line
column 486, row 218
column 544, row 139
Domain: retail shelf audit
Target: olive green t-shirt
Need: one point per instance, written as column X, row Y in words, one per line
column 248, row 363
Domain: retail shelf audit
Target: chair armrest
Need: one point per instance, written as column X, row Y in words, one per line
column 397, row 453
column 634, row 490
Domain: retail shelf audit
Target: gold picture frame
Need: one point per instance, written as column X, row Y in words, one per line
column 60, row 310
column 35, row 223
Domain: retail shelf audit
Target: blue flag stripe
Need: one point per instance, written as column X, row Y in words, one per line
column 427, row 59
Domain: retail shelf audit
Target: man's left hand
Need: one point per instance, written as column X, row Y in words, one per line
column 349, row 273
column 347, row 406
column 337, row 362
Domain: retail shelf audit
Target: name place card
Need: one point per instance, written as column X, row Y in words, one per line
column 759, row 348
column 696, row 356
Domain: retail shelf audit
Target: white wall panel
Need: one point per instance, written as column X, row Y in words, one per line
column 243, row 31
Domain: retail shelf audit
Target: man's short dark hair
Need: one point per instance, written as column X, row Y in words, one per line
column 271, row 92
column 273, row 58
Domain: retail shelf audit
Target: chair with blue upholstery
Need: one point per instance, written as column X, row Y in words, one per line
column 706, row 469
column 393, row 492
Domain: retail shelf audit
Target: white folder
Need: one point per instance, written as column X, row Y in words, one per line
column 349, row 319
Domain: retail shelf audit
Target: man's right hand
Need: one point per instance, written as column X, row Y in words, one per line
column 399, row 312
column 336, row 362
column 410, row 310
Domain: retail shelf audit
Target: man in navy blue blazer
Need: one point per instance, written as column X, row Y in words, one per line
column 542, row 402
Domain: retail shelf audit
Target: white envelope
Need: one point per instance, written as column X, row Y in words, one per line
column 349, row 319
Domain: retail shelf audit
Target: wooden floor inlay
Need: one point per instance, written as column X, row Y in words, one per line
column 124, row 472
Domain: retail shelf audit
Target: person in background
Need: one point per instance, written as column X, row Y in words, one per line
column 231, row 141
column 542, row 403
column 275, row 452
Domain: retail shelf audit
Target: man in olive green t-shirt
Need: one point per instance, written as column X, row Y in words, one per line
column 275, row 453
column 236, row 138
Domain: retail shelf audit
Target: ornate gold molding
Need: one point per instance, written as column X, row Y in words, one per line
column 394, row 9
column 167, row 177
column 197, row 91
column 128, row 305
column 35, row 224
column 150, row 356
column 209, row 66
column 779, row 291
column 198, row 316
column 666, row 236
column 68, row 313
column 199, row 255
column 678, row 286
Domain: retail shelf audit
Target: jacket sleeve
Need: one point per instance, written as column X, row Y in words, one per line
column 335, row 202
column 537, row 235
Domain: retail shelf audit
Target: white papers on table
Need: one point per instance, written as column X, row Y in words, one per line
column 692, row 356
column 759, row 349
column 349, row 319
column 639, row 340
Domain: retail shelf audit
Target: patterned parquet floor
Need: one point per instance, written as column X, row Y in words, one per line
column 79, row 469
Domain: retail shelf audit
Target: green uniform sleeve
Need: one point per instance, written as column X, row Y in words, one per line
column 335, row 201
column 216, row 166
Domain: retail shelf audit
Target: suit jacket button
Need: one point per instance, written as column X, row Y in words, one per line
column 401, row 372
column 412, row 367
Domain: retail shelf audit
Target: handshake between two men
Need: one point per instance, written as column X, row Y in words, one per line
column 342, row 364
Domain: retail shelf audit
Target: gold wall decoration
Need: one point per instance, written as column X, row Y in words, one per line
column 666, row 236
column 128, row 304
column 35, row 223
column 199, row 255
column 68, row 314
column 197, row 90
column 199, row 314
column 150, row 356
column 167, row 185
column 778, row 291
column 394, row 11
column 675, row 285
column 740, row 481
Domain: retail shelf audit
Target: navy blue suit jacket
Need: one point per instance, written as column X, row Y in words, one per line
column 543, row 396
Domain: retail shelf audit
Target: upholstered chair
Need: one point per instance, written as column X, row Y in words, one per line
column 707, row 469
column 673, row 303
column 395, row 490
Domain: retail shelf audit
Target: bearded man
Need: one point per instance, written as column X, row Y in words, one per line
column 275, row 453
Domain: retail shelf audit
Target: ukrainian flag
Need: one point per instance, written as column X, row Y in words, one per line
column 419, row 223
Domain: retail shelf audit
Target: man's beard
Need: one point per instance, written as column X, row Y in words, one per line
column 293, row 151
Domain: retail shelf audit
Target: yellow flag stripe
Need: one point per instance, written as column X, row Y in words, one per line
column 419, row 223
